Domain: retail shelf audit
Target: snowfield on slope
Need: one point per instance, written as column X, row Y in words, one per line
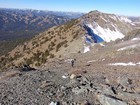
column 125, row 64
column 106, row 34
column 135, row 39
column 122, row 19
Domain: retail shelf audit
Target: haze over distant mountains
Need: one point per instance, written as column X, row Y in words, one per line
column 17, row 23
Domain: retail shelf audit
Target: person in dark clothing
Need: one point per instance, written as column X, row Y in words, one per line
column 72, row 62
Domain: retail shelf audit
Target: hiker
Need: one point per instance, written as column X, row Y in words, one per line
column 72, row 62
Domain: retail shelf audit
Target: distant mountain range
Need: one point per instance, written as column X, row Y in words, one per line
column 44, row 12
column 134, row 19
column 17, row 25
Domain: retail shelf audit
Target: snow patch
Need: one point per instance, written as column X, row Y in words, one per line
column 133, row 24
column 86, row 49
column 104, row 19
column 64, row 76
column 91, row 61
column 135, row 39
column 101, row 44
column 123, row 64
column 106, row 34
column 102, row 59
column 113, row 17
column 53, row 103
column 138, row 63
column 125, row 19
column 127, row 47
column 114, row 26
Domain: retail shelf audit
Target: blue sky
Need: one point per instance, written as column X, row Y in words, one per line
column 122, row 7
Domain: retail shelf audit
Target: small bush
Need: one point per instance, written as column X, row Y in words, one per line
column 29, row 61
column 51, row 55
column 46, row 53
column 66, row 45
column 60, row 44
column 38, row 64
column 52, row 44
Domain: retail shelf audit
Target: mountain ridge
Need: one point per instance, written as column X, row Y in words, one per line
column 70, row 38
